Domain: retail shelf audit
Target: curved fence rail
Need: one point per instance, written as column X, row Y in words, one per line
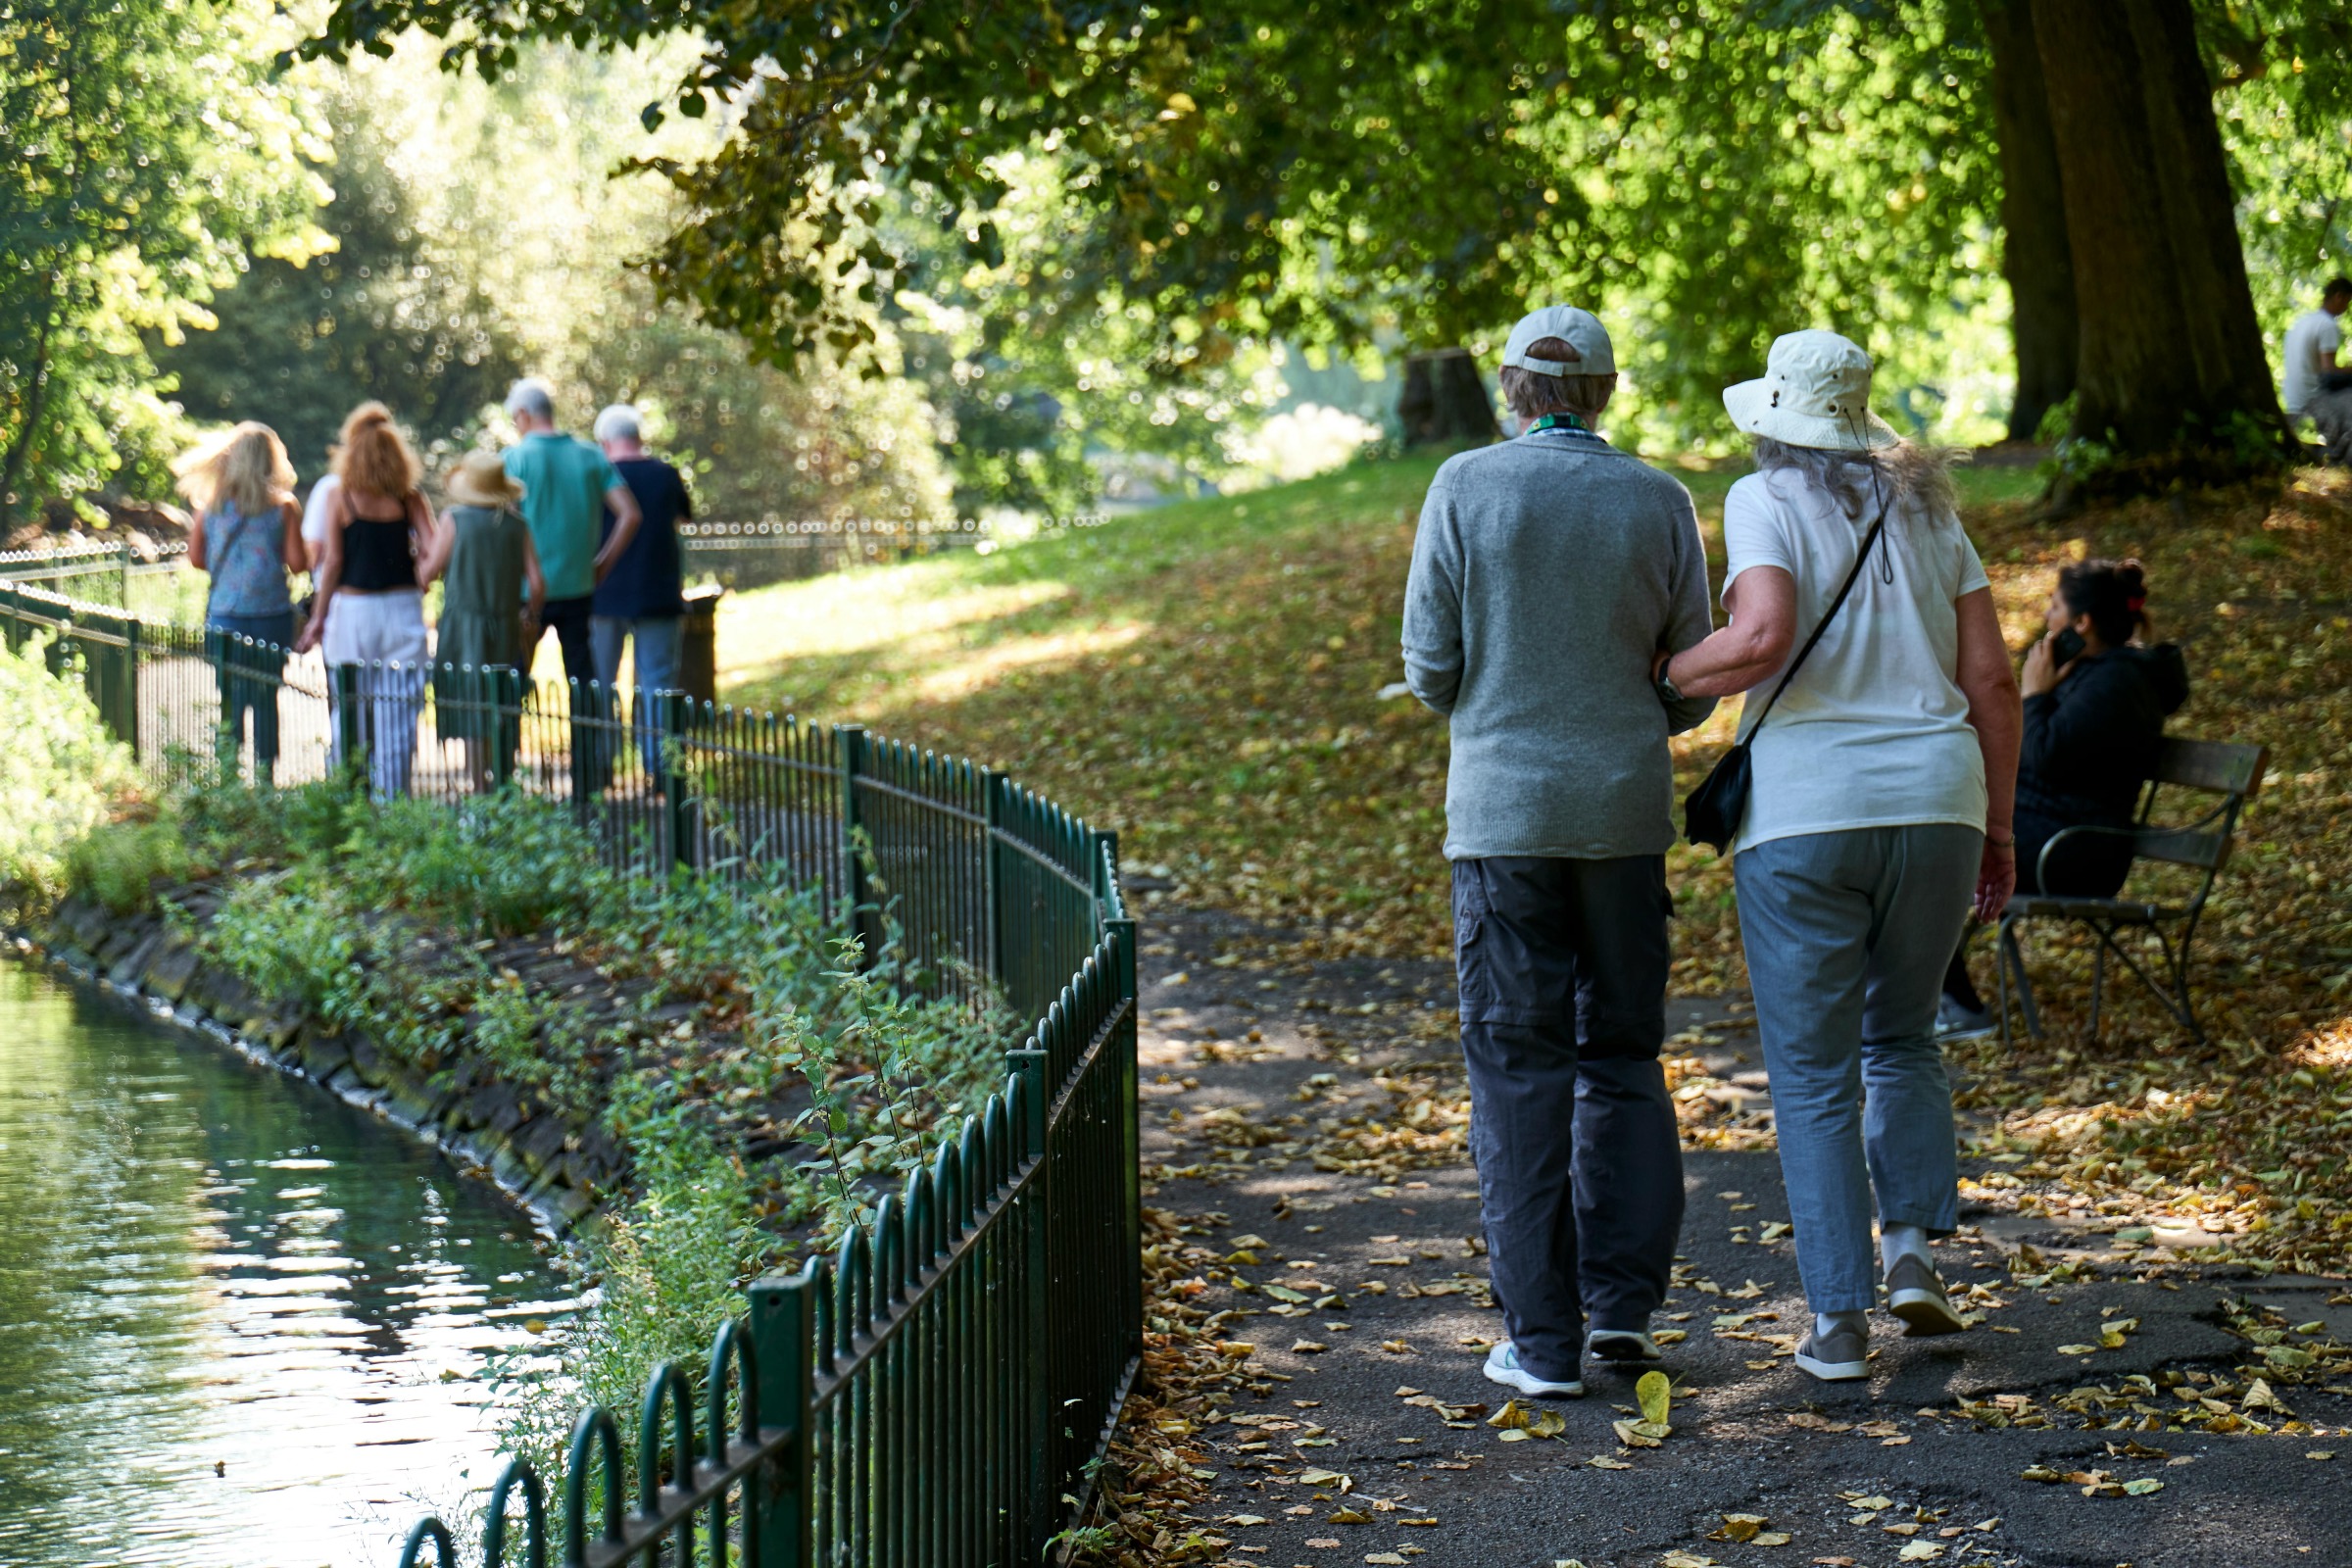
column 938, row 1391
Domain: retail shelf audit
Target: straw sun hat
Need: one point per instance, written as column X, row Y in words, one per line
column 480, row 479
column 1815, row 392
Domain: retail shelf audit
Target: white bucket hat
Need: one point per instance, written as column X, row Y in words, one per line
column 1815, row 392
column 1581, row 330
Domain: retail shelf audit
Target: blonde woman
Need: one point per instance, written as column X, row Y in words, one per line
column 373, row 573
column 246, row 536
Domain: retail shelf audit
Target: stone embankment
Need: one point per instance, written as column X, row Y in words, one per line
column 556, row 1168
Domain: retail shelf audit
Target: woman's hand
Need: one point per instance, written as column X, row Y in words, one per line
column 1996, row 879
column 312, row 630
column 2043, row 672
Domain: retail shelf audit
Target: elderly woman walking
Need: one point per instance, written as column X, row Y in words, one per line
column 1883, row 761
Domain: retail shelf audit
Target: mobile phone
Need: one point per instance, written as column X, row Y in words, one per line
column 2067, row 645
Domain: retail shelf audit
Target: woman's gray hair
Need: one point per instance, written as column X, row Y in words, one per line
column 1903, row 474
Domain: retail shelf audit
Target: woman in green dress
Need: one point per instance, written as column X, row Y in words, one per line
column 483, row 549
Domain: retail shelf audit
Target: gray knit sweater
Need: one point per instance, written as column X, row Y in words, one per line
column 1547, row 571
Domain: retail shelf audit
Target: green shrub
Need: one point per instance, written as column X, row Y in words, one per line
column 61, row 776
column 119, row 864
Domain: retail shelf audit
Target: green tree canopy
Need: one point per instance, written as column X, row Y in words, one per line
column 145, row 150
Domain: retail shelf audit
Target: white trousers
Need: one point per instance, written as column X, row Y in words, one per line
column 383, row 633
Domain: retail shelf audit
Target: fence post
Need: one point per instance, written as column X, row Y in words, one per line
column 783, row 1315
column 132, row 653
column 992, row 796
column 849, row 751
column 351, row 724
column 505, row 722
column 1043, row 1449
column 674, row 709
column 1121, row 931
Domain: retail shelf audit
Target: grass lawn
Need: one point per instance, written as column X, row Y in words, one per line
column 1207, row 678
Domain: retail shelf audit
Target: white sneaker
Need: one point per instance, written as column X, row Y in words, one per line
column 1620, row 1345
column 1953, row 1021
column 1503, row 1366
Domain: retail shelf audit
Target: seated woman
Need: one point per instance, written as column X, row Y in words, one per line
column 2096, row 699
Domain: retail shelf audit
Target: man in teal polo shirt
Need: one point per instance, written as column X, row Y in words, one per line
column 566, row 485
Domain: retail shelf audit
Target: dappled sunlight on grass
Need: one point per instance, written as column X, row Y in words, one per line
column 985, row 665
column 927, row 604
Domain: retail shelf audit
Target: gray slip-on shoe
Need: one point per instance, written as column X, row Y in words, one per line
column 1842, row 1356
column 1916, row 1293
column 1955, row 1022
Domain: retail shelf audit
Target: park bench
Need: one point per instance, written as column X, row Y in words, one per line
column 2207, row 768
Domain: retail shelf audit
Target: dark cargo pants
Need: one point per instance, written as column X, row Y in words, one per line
column 1563, row 968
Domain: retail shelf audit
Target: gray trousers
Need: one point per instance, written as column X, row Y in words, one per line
column 1847, row 937
column 1563, row 968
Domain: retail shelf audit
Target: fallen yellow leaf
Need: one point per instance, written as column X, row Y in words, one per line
column 1656, row 1397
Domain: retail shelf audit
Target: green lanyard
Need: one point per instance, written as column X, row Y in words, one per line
column 1565, row 423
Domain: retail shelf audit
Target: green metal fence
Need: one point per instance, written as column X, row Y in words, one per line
column 938, row 1392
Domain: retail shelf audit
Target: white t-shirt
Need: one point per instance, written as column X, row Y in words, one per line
column 314, row 509
column 1874, row 730
column 2314, row 333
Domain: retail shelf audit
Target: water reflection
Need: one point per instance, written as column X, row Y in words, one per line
column 239, row 1322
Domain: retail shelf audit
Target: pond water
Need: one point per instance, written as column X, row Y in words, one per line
column 241, row 1322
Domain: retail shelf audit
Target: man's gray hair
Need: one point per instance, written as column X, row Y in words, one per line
column 619, row 423
column 533, row 397
column 1532, row 394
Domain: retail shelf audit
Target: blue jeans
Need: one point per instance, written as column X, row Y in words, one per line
column 250, row 677
column 657, row 639
column 1847, row 935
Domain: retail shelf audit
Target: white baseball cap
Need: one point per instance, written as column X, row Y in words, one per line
column 1815, row 392
column 1581, row 330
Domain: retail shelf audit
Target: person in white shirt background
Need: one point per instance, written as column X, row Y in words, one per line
column 2313, row 342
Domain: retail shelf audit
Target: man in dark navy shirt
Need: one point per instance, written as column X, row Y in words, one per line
column 641, row 600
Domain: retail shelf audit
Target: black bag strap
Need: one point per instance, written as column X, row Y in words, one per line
column 1869, row 542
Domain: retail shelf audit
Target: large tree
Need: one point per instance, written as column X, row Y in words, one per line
column 1320, row 169
column 144, row 152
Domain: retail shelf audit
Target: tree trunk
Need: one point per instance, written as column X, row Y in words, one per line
column 2172, row 373
column 1445, row 400
column 2034, row 256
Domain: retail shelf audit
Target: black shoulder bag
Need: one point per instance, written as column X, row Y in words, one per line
column 1712, row 811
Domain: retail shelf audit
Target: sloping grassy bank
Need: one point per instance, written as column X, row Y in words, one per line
column 1209, row 680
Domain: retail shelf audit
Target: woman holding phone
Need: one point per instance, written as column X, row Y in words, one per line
column 2096, row 696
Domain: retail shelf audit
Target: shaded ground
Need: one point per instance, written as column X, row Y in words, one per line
column 1252, row 1076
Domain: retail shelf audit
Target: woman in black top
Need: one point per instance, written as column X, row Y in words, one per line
column 2096, row 699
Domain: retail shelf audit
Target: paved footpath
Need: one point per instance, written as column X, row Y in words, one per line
column 1338, row 1449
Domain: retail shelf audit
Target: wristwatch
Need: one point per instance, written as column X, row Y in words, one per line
column 1667, row 690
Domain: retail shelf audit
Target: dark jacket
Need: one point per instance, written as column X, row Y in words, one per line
column 2091, row 742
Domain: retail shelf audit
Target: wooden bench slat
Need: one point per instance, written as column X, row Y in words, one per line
column 2222, row 766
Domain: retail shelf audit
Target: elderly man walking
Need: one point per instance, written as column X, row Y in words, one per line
column 1547, row 574
column 641, row 604
column 566, row 485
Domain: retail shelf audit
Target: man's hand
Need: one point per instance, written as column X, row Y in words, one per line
column 1996, row 879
